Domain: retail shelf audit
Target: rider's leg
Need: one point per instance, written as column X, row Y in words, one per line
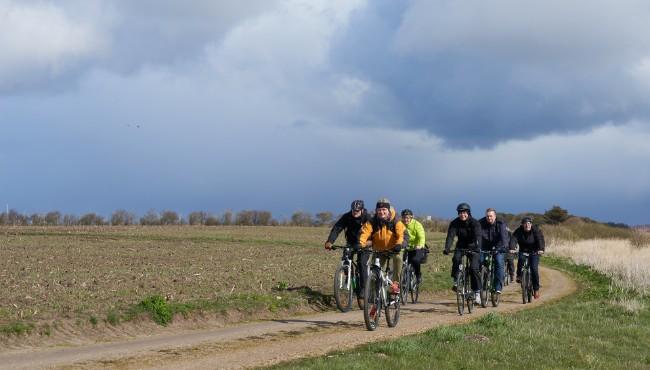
column 397, row 266
column 498, row 271
column 455, row 260
column 362, row 265
column 475, row 267
column 534, row 270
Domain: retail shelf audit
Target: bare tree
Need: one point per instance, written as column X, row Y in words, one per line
column 150, row 218
column 53, row 218
column 212, row 221
column 227, row 217
column 301, row 218
column 197, row 218
column 324, row 218
column 69, row 220
column 91, row 219
column 169, row 218
column 122, row 218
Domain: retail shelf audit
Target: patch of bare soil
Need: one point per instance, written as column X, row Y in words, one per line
column 270, row 342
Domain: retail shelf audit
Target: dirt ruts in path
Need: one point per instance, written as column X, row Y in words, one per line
column 270, row 342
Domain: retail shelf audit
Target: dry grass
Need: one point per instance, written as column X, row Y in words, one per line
column 619, row 259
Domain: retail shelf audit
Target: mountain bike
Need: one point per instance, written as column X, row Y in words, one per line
column 464, row 292
column 378, row 296
column 526, row 280
column 488, row 275
column 409, row 282
column 346, row 279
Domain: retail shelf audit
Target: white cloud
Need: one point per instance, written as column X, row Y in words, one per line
column 40, row 41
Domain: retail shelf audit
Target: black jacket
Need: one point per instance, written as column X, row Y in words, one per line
column 351, row 225
column 468, row 233
column 532, row 241
column 494, row 236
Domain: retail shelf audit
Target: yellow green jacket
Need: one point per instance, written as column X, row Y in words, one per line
column 416, row 234
column 383, row 239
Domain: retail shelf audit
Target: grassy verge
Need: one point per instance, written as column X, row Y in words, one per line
column 587, row 330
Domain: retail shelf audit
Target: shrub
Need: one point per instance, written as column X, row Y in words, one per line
column 158, row 308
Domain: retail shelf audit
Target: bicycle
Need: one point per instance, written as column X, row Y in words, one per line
column 377, row 294
column 526, row 280
column 409, row 282
column 464, row 292
column 343, row 284
column 488, row 275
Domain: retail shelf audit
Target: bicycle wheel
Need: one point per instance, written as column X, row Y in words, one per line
column 415, row 288
column 460, row 292
column 530, row 288
column 371, row 310
column 405, row 283
column 343, row 289
column 494, row 297
column 524, row 286
column 470, row 294
column 392, row 309
column 485, row 279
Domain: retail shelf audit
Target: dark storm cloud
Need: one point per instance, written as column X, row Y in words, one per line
column 477, row 75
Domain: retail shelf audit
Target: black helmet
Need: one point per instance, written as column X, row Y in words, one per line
column 357, row 205
column 407, row 212
column 463, row 207
column 526, row 219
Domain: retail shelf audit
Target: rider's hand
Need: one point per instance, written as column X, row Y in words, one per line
column 513, row 251
column 540, row 252
column 328, row 245
column 397, row 248
column 445, row 252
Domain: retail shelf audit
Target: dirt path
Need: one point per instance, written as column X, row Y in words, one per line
column 270, row 342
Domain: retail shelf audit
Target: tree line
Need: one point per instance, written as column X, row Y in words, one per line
column 554, row 216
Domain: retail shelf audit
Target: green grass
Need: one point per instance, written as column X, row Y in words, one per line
column 584, row 331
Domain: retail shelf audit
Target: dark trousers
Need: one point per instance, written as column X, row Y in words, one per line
column 362, row 265
column 510, row 264
column 475, row 268
column 413, row 262
column 533, row 262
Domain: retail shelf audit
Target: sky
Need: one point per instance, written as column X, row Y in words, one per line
column 287, row 105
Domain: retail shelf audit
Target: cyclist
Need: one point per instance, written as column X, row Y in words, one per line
column 385, row 233
column 468, row 231
column 531, row 240
column 495, row 236
column 415, row 247
column 351, row 222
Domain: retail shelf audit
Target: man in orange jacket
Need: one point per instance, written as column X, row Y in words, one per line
column 383, row 233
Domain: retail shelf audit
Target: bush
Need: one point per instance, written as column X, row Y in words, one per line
column 158, row 308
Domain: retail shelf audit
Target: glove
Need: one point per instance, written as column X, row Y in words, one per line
column 445, row 252
column 540, row 252
column 328, row 245
column 397, row 248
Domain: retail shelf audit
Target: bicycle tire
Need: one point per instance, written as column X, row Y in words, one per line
column 524, row 286
column 530, row 288
column 415, row 288
column 343, row 289
column 405, row 283
column 393, row 309
column 460, row 292
column 470, row 299
column 485, row 280
column 372, row 308
column 494, row 296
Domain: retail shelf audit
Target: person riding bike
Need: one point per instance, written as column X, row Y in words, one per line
column 384, row 233
column 495, row 236
column 415, row 247
column 351, row 222
column 530, row 239
column 468, row 231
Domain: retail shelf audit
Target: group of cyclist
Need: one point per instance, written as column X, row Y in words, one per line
column 382, row 232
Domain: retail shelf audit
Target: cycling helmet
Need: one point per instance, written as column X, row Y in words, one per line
column 383, row 203
column 463, row 207
column 357, row 205
column 407, row 212
column 526, row 219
